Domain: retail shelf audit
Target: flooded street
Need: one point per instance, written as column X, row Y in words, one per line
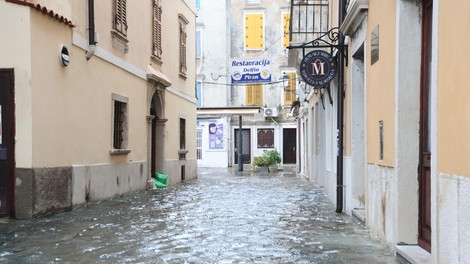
column 221, row 217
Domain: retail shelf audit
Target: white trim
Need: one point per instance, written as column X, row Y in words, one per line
column 82, row 43
column 434, row 137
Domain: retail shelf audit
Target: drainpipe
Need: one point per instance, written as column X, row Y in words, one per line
column 339, row 160
column 91, row 30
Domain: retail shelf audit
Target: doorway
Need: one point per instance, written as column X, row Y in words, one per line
column 289, row 145
column 246, row 140
column 157, row 130
column 424, row 227
column 7, row 142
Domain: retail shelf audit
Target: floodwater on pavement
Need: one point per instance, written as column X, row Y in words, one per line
column 221, row 217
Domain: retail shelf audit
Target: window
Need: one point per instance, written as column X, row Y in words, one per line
column 120, row 17
column 182, row 133
column 199, row 144
column 254, row 31
column 289, row 90
column 266, row 138
column 198, row 4
column 120, row 124
column 285, row 29
column 157, row 28
column 198, row 44
column 183, row 36
column 254, row 94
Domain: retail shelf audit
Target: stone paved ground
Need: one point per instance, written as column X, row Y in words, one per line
column 222, row 217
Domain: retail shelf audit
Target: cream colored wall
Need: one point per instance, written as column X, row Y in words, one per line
column 380, row 82
column 16, row 54
column 58, row 135
column 453, row 93
column 62, row 7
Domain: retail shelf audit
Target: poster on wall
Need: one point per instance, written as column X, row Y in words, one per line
column 216, row 136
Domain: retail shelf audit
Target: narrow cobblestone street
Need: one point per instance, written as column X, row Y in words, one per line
column 222, row 217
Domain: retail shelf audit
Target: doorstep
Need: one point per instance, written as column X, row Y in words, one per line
column 359, row 214
column 413, row 254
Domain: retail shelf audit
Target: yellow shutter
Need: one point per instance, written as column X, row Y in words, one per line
column 285, row 21
column 289, row 93
column 254, row 94
column 258, row 94
column 249, row 95
column 254, row 38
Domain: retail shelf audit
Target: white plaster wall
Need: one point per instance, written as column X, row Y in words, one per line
column 101, row 181
column 16, row 53
column 453, row 226
column 213, row 71
column 214, row 157
column 407, row 93
column 382, row 204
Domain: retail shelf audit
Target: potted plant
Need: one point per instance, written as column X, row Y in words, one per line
column 274, row 158
column 260, row 163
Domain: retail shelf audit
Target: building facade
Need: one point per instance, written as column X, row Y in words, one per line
column 405, row 141
column 95, row 99
column 252, row 46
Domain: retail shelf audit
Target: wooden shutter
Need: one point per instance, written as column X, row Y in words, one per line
column 289, row 93
column 157, row 28
column 254, row 94
column 254, row 32
column 120, row 16
column 249, row 95
column 285, row 24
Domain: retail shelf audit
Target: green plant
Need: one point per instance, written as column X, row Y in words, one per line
column 273, row 156
column 260, row 161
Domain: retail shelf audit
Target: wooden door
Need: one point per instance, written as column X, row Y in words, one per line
column 246, row 140
column 424, row 236
column 7, row 142
column 289, row 146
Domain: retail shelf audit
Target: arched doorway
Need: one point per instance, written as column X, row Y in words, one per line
column 157, row 133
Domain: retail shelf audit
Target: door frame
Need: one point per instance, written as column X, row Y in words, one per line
column 424, row 171
column 8, row 136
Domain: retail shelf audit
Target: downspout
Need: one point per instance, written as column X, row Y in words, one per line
column 340, row 121
column 91, row 30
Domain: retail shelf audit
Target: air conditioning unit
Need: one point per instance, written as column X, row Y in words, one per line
column 270, row 112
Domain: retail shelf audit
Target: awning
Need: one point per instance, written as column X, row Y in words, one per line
column 229, row 111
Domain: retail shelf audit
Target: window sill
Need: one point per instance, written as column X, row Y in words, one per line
column 119, row 41
column 156, row 59
column 119, row 151
column 183, row 76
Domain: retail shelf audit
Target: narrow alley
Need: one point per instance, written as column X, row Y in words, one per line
column 221, row 217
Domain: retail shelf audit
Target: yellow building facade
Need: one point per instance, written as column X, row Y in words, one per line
column 102, row 100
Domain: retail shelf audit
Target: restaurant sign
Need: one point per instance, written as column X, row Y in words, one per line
column 253, row 70
column 318, row 68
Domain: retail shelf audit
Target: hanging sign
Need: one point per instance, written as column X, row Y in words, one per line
column 257, row 70
column 318, row 68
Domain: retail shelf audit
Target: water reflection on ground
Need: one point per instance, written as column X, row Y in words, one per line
column 221, row 217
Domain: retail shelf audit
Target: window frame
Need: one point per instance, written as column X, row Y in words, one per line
column 289, row 90
column 120, row 122
column 266, row 140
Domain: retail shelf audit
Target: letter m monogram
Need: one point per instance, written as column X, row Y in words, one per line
column 318, row 67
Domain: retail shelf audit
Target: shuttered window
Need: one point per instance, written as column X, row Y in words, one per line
column 120, row 16
column 157, row 28
column 183, row 37
column 289, row 91
column 254, row 94
column 254, row 31
column 285, row 28
column 265, row 138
